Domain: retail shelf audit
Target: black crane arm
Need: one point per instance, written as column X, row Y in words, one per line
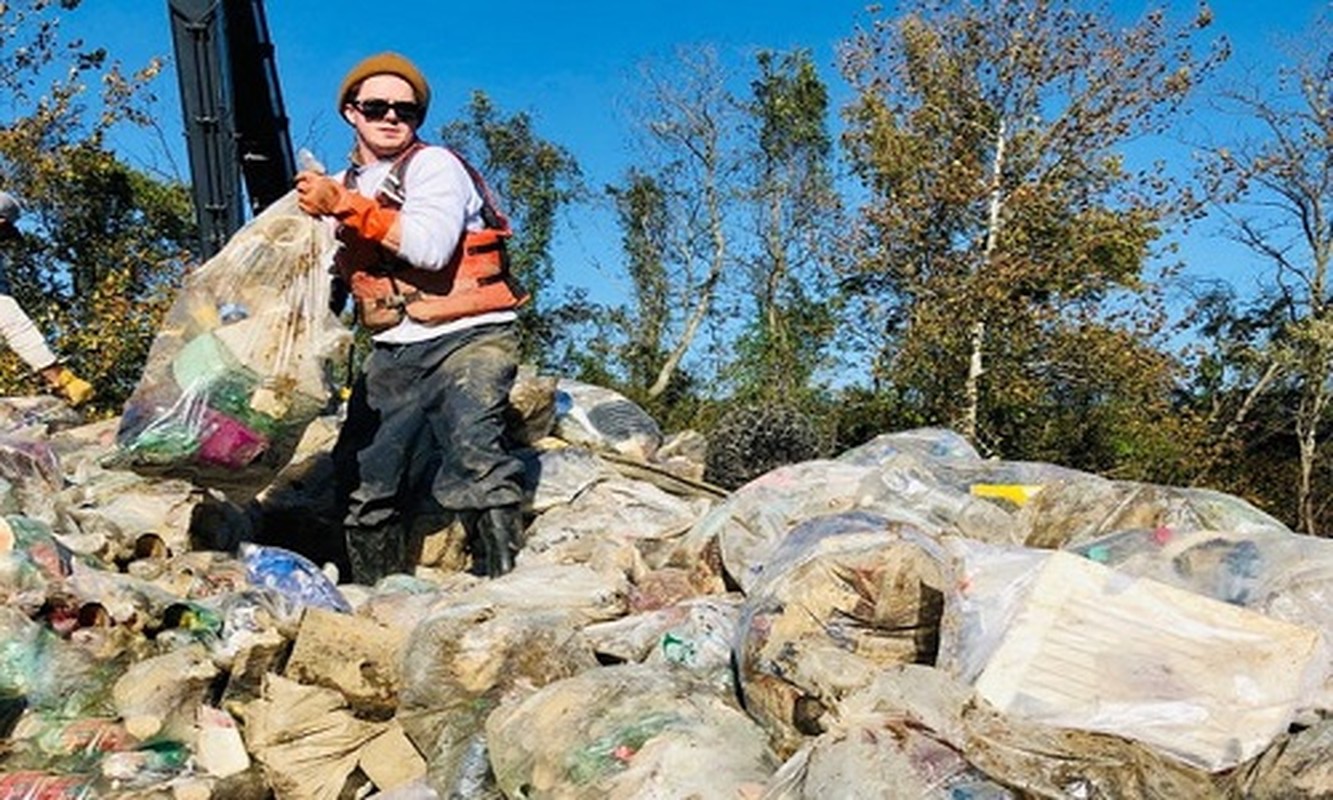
column 235, row 123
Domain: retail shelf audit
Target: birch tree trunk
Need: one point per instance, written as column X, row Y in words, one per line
column 976, row 366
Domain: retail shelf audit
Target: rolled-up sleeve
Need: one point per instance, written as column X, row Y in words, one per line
column 440, row 203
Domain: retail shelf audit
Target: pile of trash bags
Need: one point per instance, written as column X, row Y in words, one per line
column 906, row 619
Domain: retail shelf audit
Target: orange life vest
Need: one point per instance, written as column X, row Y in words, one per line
column 476, row 279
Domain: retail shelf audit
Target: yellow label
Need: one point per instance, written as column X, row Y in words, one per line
column 1016, row 493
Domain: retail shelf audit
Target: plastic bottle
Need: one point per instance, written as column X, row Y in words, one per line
column 308, row 163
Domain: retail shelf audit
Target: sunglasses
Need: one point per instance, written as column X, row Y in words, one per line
column 375, row 110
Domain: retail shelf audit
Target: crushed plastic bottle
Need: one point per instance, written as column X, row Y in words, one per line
column 308, row 163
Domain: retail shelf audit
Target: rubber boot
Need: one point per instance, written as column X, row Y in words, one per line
column 374, row 553
column 494, row 536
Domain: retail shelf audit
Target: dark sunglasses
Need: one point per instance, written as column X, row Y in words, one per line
column 375, row 110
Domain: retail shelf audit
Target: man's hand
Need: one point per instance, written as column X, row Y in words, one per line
column 319, row 195
column 322, row 196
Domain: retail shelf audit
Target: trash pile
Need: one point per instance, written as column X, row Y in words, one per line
column 906, row 619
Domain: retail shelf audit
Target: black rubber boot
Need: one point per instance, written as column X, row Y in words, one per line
column 376, row 552
column 494, row 536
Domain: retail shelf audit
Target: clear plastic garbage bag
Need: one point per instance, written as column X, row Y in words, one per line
column 243, row 361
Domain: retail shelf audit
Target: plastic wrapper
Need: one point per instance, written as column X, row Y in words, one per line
column 35, row 785
column 881, row 758
column 946, row 497
column 634, row 510
column 695, row 634
column 228, row 624
column 198, row 574
column 556, row 477
column 126, row 600
column 146, row 767
column 123, row 516
column 752, row 521
column 242, row 362
column 31, row 559
column 931, row 443
column 1285, row 575
column 990, row 584
column 51, row 674
column 33, row 471
column 1296, row 766
column 928, row 478
column 36, row 415
column 933, row 479
column 1035, row 760
column 891, row 739
column 293, row 576
column 41, row 741
column 581, row 593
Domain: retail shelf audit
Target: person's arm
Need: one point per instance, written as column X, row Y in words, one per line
column 322, row 196
column 440, row 198
column 440, row 202
column 22, row 336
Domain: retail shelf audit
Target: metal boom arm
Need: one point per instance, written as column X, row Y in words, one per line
column 223, row 54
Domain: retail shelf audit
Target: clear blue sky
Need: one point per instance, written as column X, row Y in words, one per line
column 568, row 64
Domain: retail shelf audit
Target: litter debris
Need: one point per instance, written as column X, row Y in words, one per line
column 906, row 618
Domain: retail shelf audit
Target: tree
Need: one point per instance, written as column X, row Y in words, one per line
column 1006, row 234
column 674, row 211
column 797, row 231
column 641, row 210
column 104, row 244
column 1240, row 396
column 1275, row 188
column 533, row 179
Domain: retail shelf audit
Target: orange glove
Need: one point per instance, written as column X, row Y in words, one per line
column 320, row 195
column 317, row 194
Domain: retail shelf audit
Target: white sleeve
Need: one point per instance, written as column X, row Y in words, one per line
column 19, row 332
column 440, row 202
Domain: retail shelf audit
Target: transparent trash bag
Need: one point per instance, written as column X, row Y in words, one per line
column 242, row 362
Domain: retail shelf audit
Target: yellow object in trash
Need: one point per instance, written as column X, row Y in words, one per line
column 1016, row 493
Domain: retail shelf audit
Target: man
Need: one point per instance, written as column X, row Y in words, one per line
column 423, row 256
column 17, row 327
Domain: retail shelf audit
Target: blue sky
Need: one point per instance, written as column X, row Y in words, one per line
column 570, row 65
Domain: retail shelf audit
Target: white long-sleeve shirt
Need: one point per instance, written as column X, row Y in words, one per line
column 18, row 329
column 440, row 201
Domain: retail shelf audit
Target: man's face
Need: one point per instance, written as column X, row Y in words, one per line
column 388, row 135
